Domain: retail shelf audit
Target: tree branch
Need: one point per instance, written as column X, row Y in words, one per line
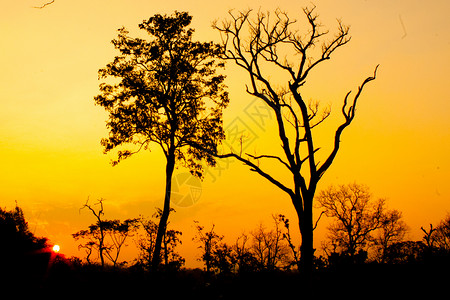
column 255, row 168
column 270, row 156
column 349, row 115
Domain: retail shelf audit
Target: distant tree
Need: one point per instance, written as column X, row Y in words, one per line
column 358, row 219
column 287, row 236
column 209, row 242
column 223, row 259
column 264, row 249
column 429, row 236
column 392, row 230
column 441, row 235
column 118, row 232
column 165, row 91
column 105, row 236
column 95, row 235
column 24, row 257
column 405, row 252
column 170, row 258
column 244, row 259
column 278, row 59
column 269, row 247
column 437, row 241
column 16, row 238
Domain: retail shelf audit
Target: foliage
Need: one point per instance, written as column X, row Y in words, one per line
column 17, row 239
column 162, row 91
column 165, row 91
column 23, row 256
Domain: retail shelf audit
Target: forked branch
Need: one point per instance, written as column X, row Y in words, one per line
column 349, row 115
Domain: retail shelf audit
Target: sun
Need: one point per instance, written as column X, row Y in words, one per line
column 56, row 248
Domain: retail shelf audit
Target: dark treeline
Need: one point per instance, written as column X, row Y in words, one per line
column 261, row 264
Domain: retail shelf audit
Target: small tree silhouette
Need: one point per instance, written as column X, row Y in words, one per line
column 105, row 236
column 209, row 242
column 170, row 258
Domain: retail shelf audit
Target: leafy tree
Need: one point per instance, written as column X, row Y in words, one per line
column 23, row 256
column 17, row 239
column 266, row 42
column 165, row 91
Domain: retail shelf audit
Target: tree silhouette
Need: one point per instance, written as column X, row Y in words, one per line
column 266, row 42
column 269, row 247
column 209, row 242
column 17, row 239
column 167, row 93
column 441, row 235
column 105, row 236
column 172, row 260
column 23, row 256
column 358, row 219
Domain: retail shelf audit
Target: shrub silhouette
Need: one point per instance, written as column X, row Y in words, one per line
column 22, row 255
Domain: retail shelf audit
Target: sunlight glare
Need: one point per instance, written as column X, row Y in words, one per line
column 56, row 248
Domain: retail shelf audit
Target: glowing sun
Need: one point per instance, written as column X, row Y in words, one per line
column 56, row 248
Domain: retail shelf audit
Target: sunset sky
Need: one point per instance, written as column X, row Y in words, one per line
column 50, row 154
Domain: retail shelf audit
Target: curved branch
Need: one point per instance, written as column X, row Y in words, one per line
column 349, row 115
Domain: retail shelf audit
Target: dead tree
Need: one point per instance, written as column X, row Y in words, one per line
column 258, row 44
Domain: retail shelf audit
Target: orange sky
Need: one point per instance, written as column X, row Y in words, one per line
column 52, row 161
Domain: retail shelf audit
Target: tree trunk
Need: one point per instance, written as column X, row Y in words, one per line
column 156, row 257
column 306, row 231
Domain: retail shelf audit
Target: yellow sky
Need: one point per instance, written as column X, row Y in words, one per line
column 51, row 159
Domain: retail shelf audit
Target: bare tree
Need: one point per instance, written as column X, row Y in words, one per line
column 258, row 44
column 118, row 233
column 269, row 247
column 209, row 241
column 392, row 230
column 107, row 237
column 438, row 238
column 288, row 238
column 95, row 234
column 429, row 236
column 360, row 221
column 442, row 237
column 244, row 259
